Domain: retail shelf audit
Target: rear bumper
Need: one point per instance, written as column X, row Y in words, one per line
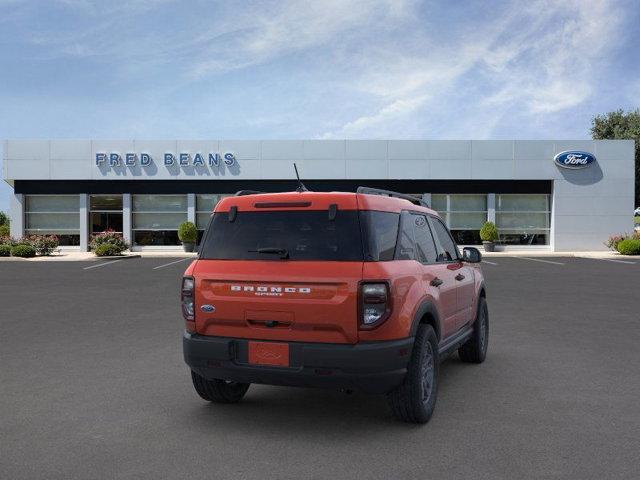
column 372, row 367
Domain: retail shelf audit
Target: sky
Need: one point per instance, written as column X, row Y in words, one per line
column 287, row 69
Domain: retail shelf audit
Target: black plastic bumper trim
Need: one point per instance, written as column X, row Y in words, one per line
column 373, row 367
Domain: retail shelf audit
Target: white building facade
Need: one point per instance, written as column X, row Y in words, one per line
column 553, row 195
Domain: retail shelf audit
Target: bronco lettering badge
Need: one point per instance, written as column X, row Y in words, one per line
column 269, row 290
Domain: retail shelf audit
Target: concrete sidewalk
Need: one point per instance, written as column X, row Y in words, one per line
column 75, row 256
column 548, row 253
column 72, row 255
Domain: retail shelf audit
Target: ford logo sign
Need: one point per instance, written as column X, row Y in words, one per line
column 208, row 308
column 574, row 159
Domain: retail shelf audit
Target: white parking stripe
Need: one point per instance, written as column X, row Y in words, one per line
column 102, row 264
column 490, row 263
column 613, row 260
column 540, row 260
column 172, row 263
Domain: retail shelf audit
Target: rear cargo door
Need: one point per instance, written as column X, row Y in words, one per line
column 268, row 300
column 288, row 274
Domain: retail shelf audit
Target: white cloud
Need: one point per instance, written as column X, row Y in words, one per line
column 396, row 109
column 553, row 65
column 392, row 63
column 293, row 26
column 541, row 58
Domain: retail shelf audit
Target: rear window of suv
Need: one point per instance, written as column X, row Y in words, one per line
column 304, row 235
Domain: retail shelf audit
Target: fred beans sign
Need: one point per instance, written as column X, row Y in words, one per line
column 169, row 159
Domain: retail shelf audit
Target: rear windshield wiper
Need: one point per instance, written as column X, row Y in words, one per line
column 284, row 254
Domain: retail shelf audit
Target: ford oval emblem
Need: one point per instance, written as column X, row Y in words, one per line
column 574, row 159
column 208, row 308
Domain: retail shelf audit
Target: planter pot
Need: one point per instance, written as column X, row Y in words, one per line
column 489, row 246
column 188, row 246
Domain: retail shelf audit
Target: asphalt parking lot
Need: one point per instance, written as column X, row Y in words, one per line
column 92, row 385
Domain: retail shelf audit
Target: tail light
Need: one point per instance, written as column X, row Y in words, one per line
column 187, row 298
column 375, row 304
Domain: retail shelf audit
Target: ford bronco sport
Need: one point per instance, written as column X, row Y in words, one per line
column 356, row 291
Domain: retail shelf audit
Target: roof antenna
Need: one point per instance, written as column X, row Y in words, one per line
column 301, row 187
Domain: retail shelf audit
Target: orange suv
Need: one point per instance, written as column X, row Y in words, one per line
column 356, row 291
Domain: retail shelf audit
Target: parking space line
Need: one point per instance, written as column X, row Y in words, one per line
column 101, row 264
column 613, row 260
column 172, row 263
column 490, row 263
column 540, row 260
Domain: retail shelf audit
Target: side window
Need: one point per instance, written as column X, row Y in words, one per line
column 405, row 249
column 380, row 231
column 424, row 240
column 448, row 250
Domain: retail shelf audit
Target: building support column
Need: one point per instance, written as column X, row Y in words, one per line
column 84, row 222
column 191, row 207
column 126, row 219
column 552, row 220
column 491, row 207
column 17, row 215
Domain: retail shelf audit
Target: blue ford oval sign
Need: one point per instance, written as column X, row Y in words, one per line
column 574, row 159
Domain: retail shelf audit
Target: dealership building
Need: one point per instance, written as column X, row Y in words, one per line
column 554, row 195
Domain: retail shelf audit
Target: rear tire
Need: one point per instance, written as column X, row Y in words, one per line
column 415, row 399
column 475, row 349
column 218, row 391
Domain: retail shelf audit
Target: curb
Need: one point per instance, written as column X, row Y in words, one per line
column 116, row 257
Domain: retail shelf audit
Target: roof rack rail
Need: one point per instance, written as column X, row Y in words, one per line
column 241, row 193
column 390, row 193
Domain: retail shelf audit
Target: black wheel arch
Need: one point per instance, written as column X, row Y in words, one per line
column 427, row 313
column 482, row 290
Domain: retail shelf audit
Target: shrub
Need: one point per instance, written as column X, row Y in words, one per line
column 187, row 232
column 5, row 250
column 613, row 241
column 629, row 246
column 108, row 250
column 4, row 231
column 13, row 241
column 4, row 219
column 489, row 232
column 108, row 237
column 23, row 250
column 44, row 244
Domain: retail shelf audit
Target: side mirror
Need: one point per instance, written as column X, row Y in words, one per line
column 471, row 255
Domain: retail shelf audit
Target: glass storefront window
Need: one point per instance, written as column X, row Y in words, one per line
column 54, row 215
column 523, row 219
column 205, row 204
column 156, row 218
column 106, row 213
column 204, row 207
column 464, row 214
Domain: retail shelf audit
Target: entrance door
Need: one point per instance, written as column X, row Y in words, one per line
column 105, row 213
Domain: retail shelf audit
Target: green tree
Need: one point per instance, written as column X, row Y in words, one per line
column 620, row 125
column 4, row 218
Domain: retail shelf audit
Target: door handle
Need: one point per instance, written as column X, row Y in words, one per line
column 459, row 277
column 436, row 282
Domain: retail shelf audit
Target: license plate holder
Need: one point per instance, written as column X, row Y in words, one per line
column 274, row 354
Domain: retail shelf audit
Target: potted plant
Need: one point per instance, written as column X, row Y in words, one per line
column 489, row 236
column 188, row 235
